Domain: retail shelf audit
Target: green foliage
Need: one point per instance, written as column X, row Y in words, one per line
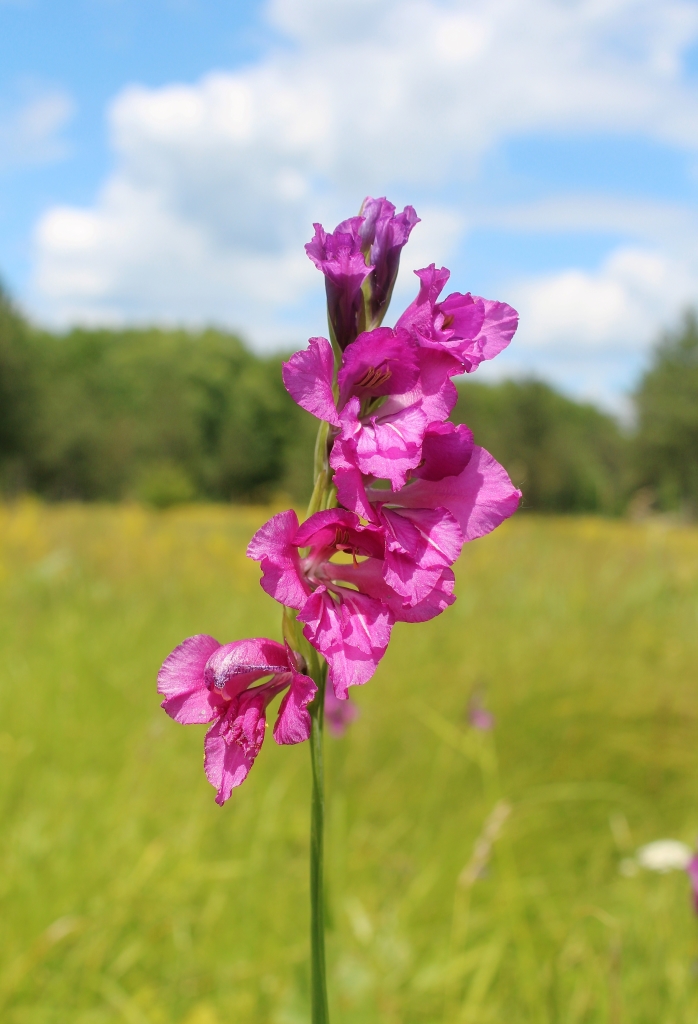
column 164, row 416
column 667, row 405
column 172, row 416
column 18, row 396
column 126, row 894
column 564, row 455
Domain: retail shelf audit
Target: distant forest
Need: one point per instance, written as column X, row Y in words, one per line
column 167, row 416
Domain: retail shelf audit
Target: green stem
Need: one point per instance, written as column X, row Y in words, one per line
column 318, row 984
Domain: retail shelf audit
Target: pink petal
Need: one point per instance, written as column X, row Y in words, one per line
column 293, row 720
column 499, row 326
column 387, row 447
column 308, row 377
column 463, row 315
column 446, row 451
column 225, row 763
column 435, row 394
column 272, row 546
column 481, row 497
column 419, row 315
column 436, row 601
column 420, row 543
column 439, row 538
column 236, row 666
column 352, row 636
column 320, row 531
column 181, row 680
column 247, row 719
column 351, row 492
column 368, row 577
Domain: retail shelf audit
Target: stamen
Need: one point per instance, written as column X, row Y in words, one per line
column 374, row 378
column 343, row 543
column 341, row 539
column 448, row 320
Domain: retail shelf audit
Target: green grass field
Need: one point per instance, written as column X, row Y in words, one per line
column 126, row 894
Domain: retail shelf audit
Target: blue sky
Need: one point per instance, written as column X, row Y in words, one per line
column 164, row 161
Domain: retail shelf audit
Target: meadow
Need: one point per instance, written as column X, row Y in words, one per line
column 473, row 876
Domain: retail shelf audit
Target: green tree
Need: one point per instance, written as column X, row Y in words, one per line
column 163, row 416
column 565, row 456
column 666, row 400
column 18, row 396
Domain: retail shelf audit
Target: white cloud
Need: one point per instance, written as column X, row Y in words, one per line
column 31, row 132
column 620, row 306
column 216, row 183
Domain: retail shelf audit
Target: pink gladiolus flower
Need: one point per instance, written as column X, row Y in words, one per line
column 389, row 394
column 480, row 497
column 455, row 476
column 470, row 328
column 339, row 714
column 349, row 607
column 349, row 627
column 204, row 681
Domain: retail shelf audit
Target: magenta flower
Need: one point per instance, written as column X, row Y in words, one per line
column 204, row 681
column 470, row 328
column 389, row 391
column 349, row 606
column 480, row 497
column 339, row 714
column 383, row 235
column 348, row 626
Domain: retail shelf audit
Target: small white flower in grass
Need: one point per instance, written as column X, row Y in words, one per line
column 664, row 855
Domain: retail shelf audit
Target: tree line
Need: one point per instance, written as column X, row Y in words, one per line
column 167, row 416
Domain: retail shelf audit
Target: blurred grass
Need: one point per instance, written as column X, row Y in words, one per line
column 127, row 895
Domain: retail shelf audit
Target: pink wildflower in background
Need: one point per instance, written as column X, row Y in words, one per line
column 339, row 714
column 478, row 715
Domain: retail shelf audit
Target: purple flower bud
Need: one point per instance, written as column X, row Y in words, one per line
column 340, row 258
column 383, row 234
column 361, row 248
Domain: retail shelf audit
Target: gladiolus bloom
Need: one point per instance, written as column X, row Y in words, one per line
column 468, row 327
column 204, row 681
column 389, row 394
column 390, row 572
